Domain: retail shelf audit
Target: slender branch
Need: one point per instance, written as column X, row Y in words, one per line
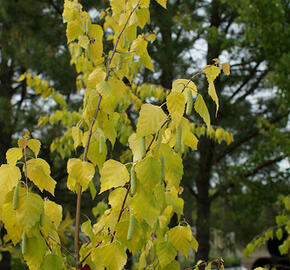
column 55, row 7
column 117, row 41
column 49, row 247
column 222, row 189
column 247, row 137
column 79, row 195
column 246, row 80
column 121, row 211
column 81, row 262
column 78, row 206
column 253, row 87
column 61, row 246
column 263, row 165
column 25, row 161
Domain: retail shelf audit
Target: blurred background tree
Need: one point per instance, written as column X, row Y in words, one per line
column 226, row 186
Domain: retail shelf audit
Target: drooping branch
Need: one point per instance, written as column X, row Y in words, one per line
column 245, row 81
column 252, row 134
column 253, row 87
column 223, row 188
column 264, row 164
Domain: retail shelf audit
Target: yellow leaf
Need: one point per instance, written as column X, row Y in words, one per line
column 54, row 211
column 219, row 134
column 34, row 145
column 104, row 88
column 95, row 77
column 8, row 217
column 22, row 77
column 143, row 15
column 201, row 108
column 73, row 30
column 229, row 137
column 175, row 103
column 148, row 173
column 226, row 68
column 146, row 61
column 173, row 165
column 38, row 171
column 165, row 253
column 139, row 45
column 21, row 143
column 29, row 209
column 162, row 3
column 84, row 41
column 36, row 249
column 180, row 85
column 13, row 155
column 112, row 256
column 10, row 175
column 79, row 173
column 213, row 95
column 180, row 237
column 77, row 135
column 113, row 174
column 135, row 146
column 150, row 120
column 58, row 98
column 188, row 137
column 143, row 208
column 211, row 72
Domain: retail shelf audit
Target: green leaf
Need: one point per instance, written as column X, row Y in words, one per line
column 201, row 108
column 79, row 172
column 34, row 145
column 112, row 256
column 113, row 174
column 150, row 120
column 143, row 208
column 174, row 265
column 279, row 234
column 36, row 249
column 52, row 261
column 180, row 237
column 29, row 209
column 165, row 252
column 176, row 103
column 148, row 173
column 13, row 155
column 58, row 98
column 38, row 171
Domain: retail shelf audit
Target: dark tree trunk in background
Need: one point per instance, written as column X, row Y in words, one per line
column 6, row 129
column 206, row 149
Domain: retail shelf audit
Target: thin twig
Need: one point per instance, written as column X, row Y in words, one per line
column 81, row 262
column 61, row 245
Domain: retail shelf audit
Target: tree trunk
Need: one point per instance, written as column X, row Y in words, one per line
column 206, row 148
